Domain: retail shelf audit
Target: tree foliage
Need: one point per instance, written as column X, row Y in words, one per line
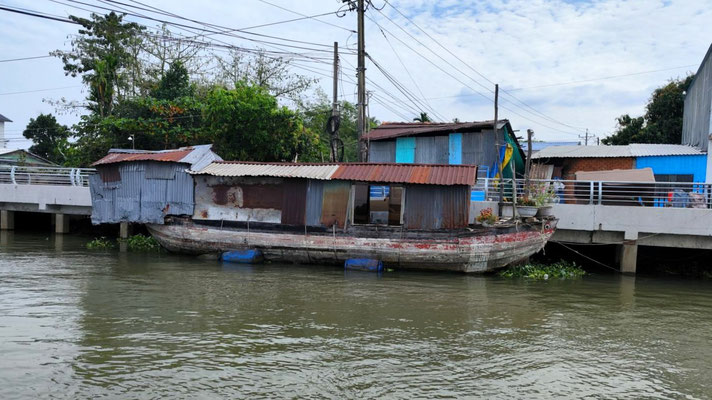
column 662, row 122
column 49, row 137
column 423, row 117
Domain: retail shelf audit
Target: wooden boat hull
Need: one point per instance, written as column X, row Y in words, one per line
column 469, row 251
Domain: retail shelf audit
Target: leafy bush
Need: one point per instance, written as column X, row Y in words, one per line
column 142, row 243
column 486, row 215
column 560, row 270
column 101, row 243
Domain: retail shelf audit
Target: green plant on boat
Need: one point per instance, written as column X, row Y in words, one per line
column 142, row 243
column 101, row 243
column 559, row 270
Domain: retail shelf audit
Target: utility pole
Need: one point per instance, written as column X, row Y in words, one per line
column 528, row 165
column 333, row 127
column 598, row 141
column 500, row 167
column 362, row 153
column 585, row 138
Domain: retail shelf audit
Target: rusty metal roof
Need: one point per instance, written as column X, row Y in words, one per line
column 283, row 170
column 190, row 155
column 390, row 130
column 426, row 174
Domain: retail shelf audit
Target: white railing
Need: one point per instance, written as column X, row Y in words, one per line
column 636, row 194
column 17, row 175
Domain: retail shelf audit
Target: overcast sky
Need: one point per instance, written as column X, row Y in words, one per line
column 549, row 57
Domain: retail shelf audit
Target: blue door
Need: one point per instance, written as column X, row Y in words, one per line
column 455, row 149
column 405, row 150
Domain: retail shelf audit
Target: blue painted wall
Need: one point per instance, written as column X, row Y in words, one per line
column 455, row 149
column 680, row 165
column 405, row 150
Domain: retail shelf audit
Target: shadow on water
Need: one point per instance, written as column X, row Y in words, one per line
column 158, row 325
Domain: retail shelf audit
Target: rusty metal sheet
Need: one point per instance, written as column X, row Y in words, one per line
column 334, row 207
column 436, row 207
column 196, row 156
column 408, row 173
column 390, row 130
column 294, row 201
column 109, row 173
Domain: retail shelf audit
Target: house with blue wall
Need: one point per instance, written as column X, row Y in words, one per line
column 471, row 143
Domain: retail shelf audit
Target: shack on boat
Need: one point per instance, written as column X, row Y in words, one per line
column 421, row 197
column 146, row 186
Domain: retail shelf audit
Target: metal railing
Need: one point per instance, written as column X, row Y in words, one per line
column 17, row 175
column 635, row 194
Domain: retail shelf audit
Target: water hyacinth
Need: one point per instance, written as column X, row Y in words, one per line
column 559, row 270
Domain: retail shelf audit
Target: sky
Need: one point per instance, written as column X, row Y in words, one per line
column 563, row 67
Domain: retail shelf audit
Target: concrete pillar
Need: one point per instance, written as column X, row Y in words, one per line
column 7, row 220
column 629, row 253
column 124, row 230
column 61, row 223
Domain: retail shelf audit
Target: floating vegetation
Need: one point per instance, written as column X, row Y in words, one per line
column 142, row 243
column 559, row 270
column 101, row 243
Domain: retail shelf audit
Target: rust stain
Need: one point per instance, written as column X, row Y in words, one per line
column 220, row 194
column 204, row 213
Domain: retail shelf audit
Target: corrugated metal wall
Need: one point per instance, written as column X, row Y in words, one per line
column 142, row 194
column 405, row 150
column 382, row 151
column 334, row 208
column 431, row 150
column 455, row 149
column 696, row 123
column 294, row 202
column 436, row 207
column 315, row 198
column 675, row 165
column 478, row 148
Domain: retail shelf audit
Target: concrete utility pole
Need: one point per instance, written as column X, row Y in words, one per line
column 363, row 151
column 528, row 165
column 334, row 128
column 585, row 138
column 499, row 145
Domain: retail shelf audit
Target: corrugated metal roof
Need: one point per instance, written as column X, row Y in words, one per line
column 390, row 130
column 408, row 173
column 4, row 118
column 189, row 155
column 649, row 150
column 283, row 170
column 632, row 150
column 427, row 174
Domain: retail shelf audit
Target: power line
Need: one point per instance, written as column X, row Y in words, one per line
column 303, row 15
column 24, row 58
column 534, row 111
column 39, row 90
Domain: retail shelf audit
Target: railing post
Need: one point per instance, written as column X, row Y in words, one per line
column 487, row 188
column 600, row 193
column 590, row 192
column 12, row 175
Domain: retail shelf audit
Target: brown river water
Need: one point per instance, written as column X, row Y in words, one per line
column 80, row 324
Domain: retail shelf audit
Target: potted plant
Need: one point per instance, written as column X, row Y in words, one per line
column 543, row 195
column 526, row 207
column 486, row 217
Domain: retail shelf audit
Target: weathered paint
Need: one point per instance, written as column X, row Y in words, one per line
column 294, row 202
column 429, row 208
column 697, row 117
column 315, row 198
column 455, row 148
column 238, row 199
column 465, row 252
column 675, row 165
column 431, row 150
column 334, row 208
column 479, row 148
column 127, row 192
column 382, row 151
column 405, row 150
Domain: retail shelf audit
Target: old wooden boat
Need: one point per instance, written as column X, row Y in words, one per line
column 476, row 249
column 405, row 215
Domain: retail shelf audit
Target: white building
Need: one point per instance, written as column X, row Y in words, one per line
column 3, row 141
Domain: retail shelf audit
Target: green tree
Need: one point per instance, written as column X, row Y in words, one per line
column 246, row 123
column 422, row 118
column 662, row 122
column 101, row 55
column 174, row 84
column 49, row 138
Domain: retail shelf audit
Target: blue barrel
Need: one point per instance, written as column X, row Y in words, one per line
column 364, row 264
column 242, row 256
